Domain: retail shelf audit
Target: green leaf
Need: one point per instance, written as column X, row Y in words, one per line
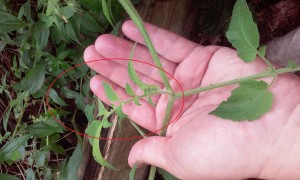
column 71, row 171
column 89, row 112
column 135, row 78
column 9, row 23
column 132, row 171
column 150, row 101
column 94, row 129
column 110, row 93
column 249, row 101
column 2, row 46
column 67, row 11
column 11, row 146
column 105, row 122
column 34, row 79
column 292, row 64
column 262, row 51
column 40, row 158
column 68, row 93
column 45, row 128
column 30, row 175
column 101, row 109
column 121, row 115
column 166, row 175
column 8, row 177
column 69, row 29
column 54, row 96
column 106, row 11
column 80, row 102
column 136, row 101
column 129, row 90
column 94, row 5
column 243, row 32
column 41, row 35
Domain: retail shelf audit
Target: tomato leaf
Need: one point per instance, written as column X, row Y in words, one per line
column 249, row 101
column 110, row 93
column 243, row 32
column 101, row 109
column 129, row 90
column 94, row 129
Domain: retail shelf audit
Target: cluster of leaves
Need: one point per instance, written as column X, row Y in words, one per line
column 48, row 37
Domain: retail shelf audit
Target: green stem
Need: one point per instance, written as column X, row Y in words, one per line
column 270, row 66
column 142, row 133
column 256, row 76
column 20, row 117
column 152, row 173
column 137, row 20
column 167, row 116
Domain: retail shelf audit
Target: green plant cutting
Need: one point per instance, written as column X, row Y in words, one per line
column 248, row 102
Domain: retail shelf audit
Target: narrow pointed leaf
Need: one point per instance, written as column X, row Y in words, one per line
column 136, row 101
column 132, row 172
column 106, row 11
column 101, row 109
column 243, row 32
column 54, row 96
column 151, row 102
column 250, row 101
column 110, row 93
column 133, row 75
column 129, row 90
column 94, row 129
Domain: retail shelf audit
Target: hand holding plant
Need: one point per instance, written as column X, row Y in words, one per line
column 200, row 145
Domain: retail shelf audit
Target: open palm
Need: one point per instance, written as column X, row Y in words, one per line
column 199, row 145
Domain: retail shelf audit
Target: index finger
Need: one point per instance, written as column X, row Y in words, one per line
column 169, row 45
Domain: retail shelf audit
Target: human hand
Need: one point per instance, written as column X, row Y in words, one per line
column 199, row 145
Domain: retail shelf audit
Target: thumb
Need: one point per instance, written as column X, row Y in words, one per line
column 151, row 150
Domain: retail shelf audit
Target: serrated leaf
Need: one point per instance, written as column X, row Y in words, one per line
column 132, row 171
column 109, row 92
column 34, row 79
column 40, row 158
column 166, row 175
column 243, row 32
column 249, row 101
column 11, row 146
column 45, row 128
column 94, row 129
column 133, row 75
column 106, row 11
column 129, row 90
column 9, row 23
column 105, row 122
column 101, row 109
column 120, row 113
column 89, row 112
column 149, row 89
column 262, row 51
column 54, row 96
column 41, row 35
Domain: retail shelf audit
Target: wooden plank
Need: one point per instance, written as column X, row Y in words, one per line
column 177, row 16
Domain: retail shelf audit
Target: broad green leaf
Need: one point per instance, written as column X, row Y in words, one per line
column 69, row 29
column 94, row 5
column 45, row 128
column 89, row 23
column 68, row 93
column 41, row 35
column 67, row 11
column 9, row 23
column 30, row 175
column 8, row 177
column 243, row 32
column 54, row 96
column 249, row 101
column 40, row 158
column 132, row 171
column 166, row 175
column 80, row 102
column 34, row 79
column 94, row 129
column 106, row 11
column 262, row 51
column 89, row 112
column 101, row 109
column 71, row 171
column 110, row 93
column 129, row 90
column 11, row 146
